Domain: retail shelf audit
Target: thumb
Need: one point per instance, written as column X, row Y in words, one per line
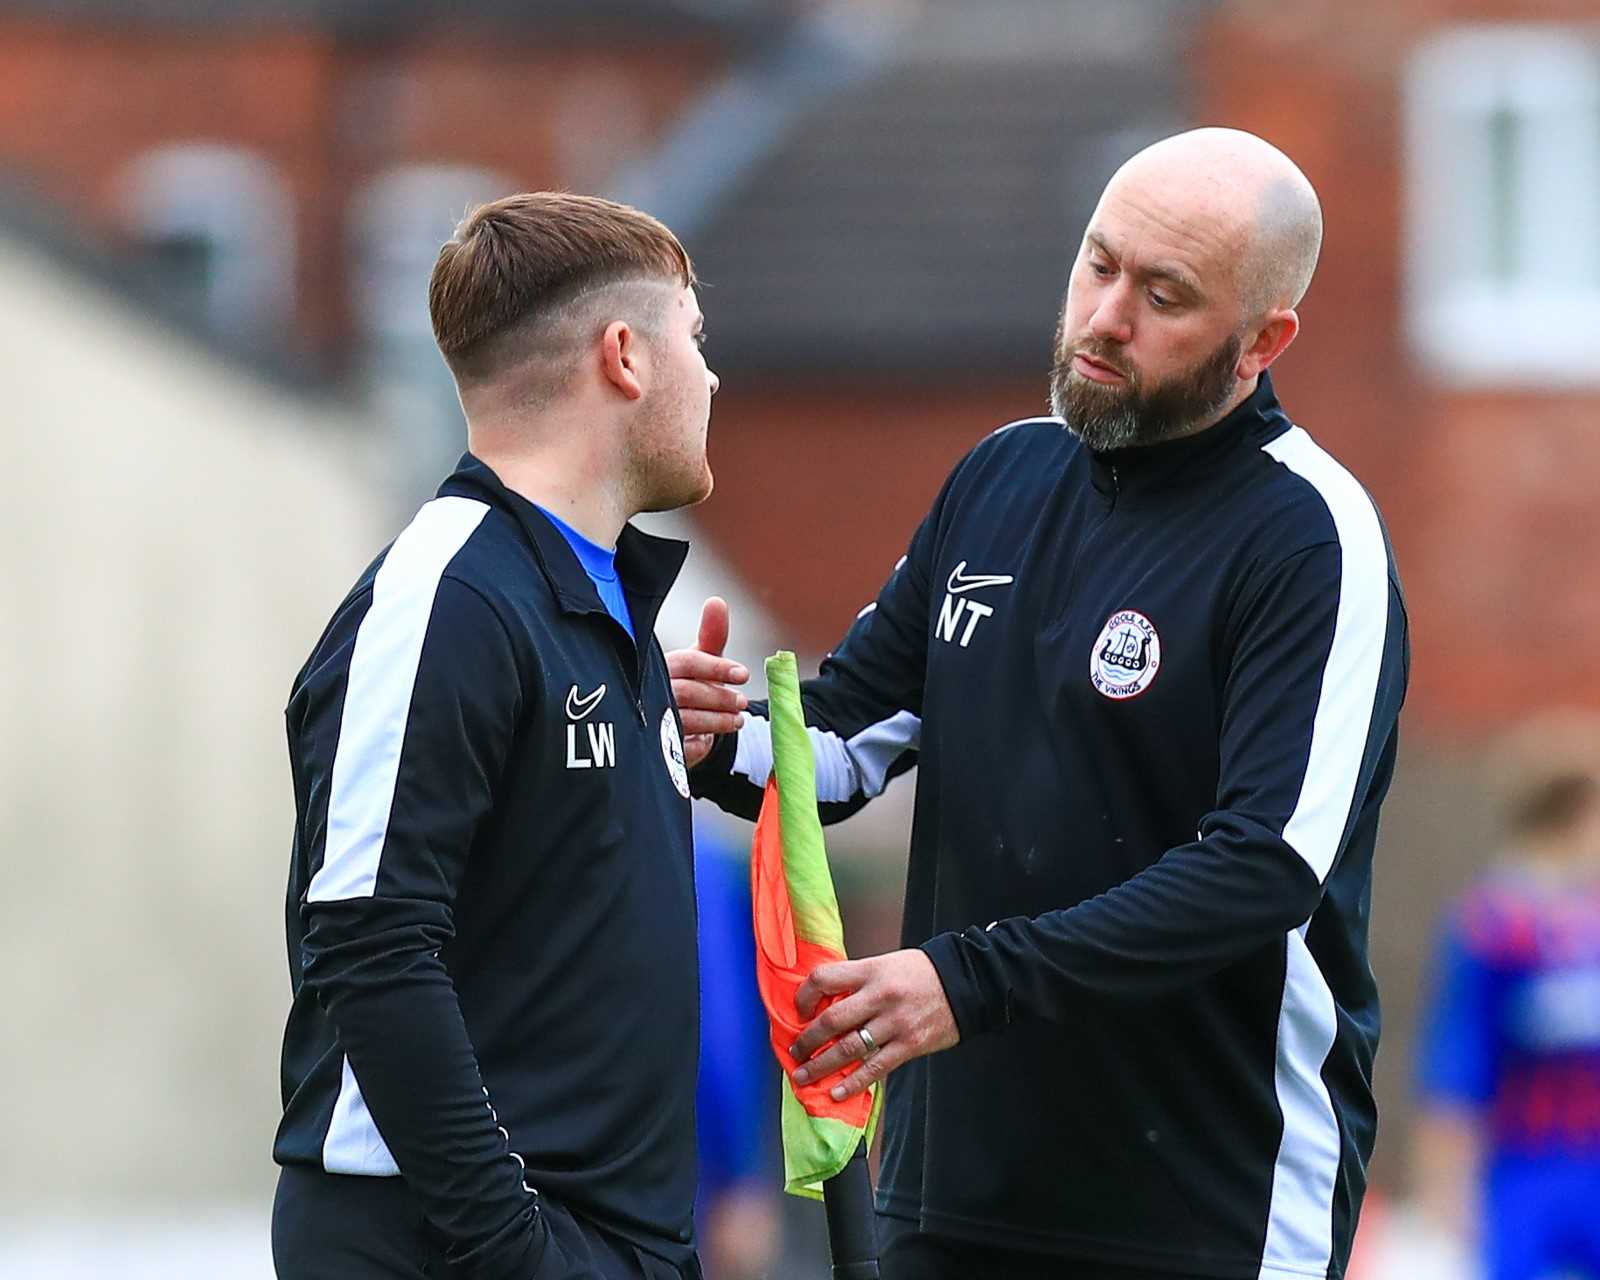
column 713, row 626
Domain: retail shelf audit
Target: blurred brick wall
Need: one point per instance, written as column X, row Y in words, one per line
column 79, row 102
column 819, row 488
column 1489, row 497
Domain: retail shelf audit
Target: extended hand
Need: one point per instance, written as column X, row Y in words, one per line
column 700, row 680
column 897, row 997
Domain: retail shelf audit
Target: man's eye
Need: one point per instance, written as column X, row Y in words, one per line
column 1159, row 302
column 1100, row 269
column 700, row 339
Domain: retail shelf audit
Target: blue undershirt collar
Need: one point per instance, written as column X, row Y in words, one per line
column 600, row 563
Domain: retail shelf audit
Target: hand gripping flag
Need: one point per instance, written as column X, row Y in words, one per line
column 797, row 928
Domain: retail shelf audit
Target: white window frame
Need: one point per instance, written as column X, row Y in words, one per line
column 1502, row 160
column 234, row 200
column 398, row 220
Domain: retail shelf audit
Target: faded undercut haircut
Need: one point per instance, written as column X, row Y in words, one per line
column 516, row 284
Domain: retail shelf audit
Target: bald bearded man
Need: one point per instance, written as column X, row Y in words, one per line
column 1149, row 653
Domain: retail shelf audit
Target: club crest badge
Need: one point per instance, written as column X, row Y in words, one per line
column 1126, row 657
column 672, row 751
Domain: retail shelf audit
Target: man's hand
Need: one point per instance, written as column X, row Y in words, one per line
column 897, row 997
column 700, row 680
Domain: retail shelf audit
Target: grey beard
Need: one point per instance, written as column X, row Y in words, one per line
column 1111, row 427
column 1106, row 419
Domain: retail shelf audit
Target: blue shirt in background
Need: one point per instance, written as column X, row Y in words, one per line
column 1514, row 1028
column 1514, row 1033
column 739, row 1087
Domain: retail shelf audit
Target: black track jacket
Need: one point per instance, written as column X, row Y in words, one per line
column 491, row 911
column 1153, row 695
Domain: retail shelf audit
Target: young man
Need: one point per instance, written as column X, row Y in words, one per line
column 489, row 1066
column 1150, row 653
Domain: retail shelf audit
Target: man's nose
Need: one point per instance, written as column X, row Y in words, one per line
column 715, row 381
column 1112, row 320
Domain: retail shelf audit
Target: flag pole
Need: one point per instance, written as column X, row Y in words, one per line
column 852, row 1235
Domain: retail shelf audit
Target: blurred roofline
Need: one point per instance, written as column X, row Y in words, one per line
column 617, row 20
column 30, row 219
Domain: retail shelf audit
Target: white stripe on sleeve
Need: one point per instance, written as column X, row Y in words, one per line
column 353, row 1143
column 1349, row 690
column 377, row 700
column 1299, row 1240
column 846, row 768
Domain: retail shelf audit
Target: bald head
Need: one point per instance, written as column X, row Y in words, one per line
column 1184, row 288
column 1241, row 196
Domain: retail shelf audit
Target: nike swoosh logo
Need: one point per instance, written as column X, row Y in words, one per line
column 961, row 580
column 578, row 707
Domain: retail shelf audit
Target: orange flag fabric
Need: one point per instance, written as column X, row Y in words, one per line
column 798, row 928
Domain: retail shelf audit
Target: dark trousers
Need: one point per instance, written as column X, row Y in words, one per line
column 329, row 1226
column 906, row 1253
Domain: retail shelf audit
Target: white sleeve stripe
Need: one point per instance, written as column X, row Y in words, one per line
column 1305, row 1175
column 752, row 756
column 845, row 768
column 353, row 1143
column 1349, row 690
column 377, row 700
column 875, row 749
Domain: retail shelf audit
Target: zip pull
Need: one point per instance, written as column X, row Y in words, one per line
column 639, row 706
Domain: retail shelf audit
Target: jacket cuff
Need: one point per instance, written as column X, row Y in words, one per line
column 715, row 767
column 512, row 1253
column 978, row 1003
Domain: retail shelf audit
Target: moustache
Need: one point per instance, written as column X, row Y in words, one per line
column 1098, row 354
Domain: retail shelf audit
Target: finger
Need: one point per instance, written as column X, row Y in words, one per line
column 827, row 980
column 697, row 747
column 834, row 1021
column 713, row 626
column 848, row 1048
column 699, row 724
column 703, row 695
column 691, row 664
column 868, row 1073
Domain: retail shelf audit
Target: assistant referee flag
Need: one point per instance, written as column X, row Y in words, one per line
column 797, row 928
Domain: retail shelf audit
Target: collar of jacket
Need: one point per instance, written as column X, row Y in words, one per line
column 1255, row 420
column 646, row 565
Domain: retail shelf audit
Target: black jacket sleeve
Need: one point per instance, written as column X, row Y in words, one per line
column 372, row 947
column 864, row 707
column 1314, row 686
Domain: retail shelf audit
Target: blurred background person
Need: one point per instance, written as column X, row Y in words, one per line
column 220, row 393
column 1507, row 1141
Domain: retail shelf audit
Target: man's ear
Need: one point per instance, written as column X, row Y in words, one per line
column 621, row 351
column 1271, row 341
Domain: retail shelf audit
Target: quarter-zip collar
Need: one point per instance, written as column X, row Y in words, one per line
column 1254, row 421
column 647, row 565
